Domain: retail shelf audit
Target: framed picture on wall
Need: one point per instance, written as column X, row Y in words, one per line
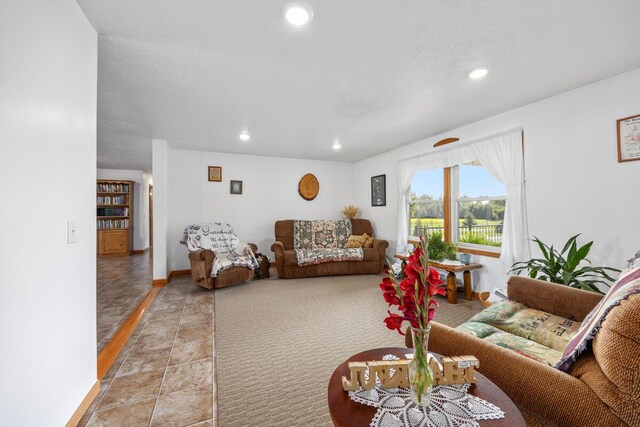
column 379, row 190
column 236, row 187
column 629, row 138
column 215, row 173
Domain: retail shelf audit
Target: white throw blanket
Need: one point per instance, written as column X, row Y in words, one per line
column 221, row 239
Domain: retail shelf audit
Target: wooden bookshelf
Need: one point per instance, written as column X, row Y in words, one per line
column 114, row 216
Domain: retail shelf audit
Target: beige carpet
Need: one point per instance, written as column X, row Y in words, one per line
column 278, row 342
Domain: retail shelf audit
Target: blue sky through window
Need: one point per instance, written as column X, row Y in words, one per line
column 475, row 181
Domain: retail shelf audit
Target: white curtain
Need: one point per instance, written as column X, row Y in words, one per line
column 501, row 155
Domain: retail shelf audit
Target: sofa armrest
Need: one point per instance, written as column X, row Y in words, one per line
column 553, row 298
column 201, row 264
column 278, row 250
column 381, row 246
column 537, row 387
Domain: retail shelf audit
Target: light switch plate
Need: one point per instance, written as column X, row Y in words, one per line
column 71, row 232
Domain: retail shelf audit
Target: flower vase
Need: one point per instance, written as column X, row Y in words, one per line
column 420, row 373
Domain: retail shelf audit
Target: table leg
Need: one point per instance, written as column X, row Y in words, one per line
column 452, row 295
column 467, row 284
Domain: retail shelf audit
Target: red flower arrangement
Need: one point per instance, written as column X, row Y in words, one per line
column 414, row 294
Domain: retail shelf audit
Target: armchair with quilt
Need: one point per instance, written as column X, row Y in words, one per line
column 218, row 258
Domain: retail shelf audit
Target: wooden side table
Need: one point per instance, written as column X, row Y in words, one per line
column 347, row 413
column 452, row 295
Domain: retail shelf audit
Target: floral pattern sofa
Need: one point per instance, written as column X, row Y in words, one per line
column 565, row 356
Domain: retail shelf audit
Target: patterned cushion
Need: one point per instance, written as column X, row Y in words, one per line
column 369, row 242
column 318, row 256
column 356, row 241
column 320, row 234
column 546, row 329
column 523, row 346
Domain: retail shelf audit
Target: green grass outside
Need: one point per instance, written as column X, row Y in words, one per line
column 439, row 222
column 475, row 239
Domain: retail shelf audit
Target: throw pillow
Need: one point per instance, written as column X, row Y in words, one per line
column 355, row 241
column 369, row 242
column 635, row 261
column 628, row 283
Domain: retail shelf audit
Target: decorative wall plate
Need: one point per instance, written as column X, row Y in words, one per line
column 308, row 187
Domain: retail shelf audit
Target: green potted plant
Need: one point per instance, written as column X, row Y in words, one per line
column 565, row 267
column 439, row 249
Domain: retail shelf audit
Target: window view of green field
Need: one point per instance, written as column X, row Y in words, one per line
column 480, row 205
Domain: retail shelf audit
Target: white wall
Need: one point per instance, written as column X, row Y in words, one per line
column 270, row 193
column 574, row 183
column 48, row 52
column 160, row 162
column 141, row 180
column 147, row 182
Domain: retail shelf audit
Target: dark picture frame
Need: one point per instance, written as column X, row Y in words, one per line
column 235, row 187
column 379, row 190
column 215, row 173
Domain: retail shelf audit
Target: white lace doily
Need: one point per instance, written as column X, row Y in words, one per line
column 451, row 405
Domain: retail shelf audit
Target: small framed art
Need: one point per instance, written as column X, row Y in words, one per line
column 235, row 187
column 379, row 190
column 215, row 173
column 629, row 138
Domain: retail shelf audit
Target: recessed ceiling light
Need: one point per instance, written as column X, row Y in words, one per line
column 477, row 73
column 297, row 14
column 244, row 136
column 336, row 145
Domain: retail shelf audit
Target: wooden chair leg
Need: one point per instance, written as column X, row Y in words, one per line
column 452, row 295
column 467, row 284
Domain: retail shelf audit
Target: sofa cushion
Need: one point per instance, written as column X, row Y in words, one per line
column 539, row 326
column 523, row 346
column 318, row 256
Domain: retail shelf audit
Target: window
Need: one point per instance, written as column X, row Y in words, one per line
column 426, row 204
column 464, row 203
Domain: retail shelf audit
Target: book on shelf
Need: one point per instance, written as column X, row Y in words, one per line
column 112, row 200
column 112, row 224
column 123, row 212
column 104, row 187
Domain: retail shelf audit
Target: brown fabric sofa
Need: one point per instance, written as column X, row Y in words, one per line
column 287, row 263
column 601, row 389
column 202, row 263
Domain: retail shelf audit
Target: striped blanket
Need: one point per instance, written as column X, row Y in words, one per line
column 628, row 283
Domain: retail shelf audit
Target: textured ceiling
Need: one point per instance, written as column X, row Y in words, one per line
column 376, row 74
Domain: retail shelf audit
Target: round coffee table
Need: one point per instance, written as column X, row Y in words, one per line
column 347, row 413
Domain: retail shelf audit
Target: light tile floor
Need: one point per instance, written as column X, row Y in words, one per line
column 122, row 282
column 164, row 375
